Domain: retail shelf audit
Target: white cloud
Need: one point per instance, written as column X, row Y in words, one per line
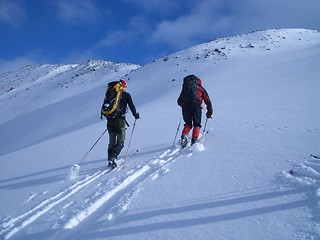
column 281, row 13
column 184, row 30
column 34, row 57
column 12, row 13
column 113, row 37
column 140, row 25
column 75, row 11
column 17, row 63
column 137, row 28
column 78, row 56
column 217, row 18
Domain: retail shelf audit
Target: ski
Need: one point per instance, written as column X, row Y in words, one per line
column 314, row 156
column 113, row 165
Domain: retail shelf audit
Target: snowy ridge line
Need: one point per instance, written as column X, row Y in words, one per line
column 48, row 205
column 99, row 202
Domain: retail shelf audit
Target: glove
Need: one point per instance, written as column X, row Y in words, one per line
column 208, row 115
column 137, row 116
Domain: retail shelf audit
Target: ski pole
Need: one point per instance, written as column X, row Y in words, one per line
column 204, row 131
column 77, row 166
column 205, row 125
column 177, row 131
column 125, row 158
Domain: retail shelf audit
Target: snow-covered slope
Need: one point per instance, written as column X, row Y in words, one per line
column 252, row 178
column 62, row 97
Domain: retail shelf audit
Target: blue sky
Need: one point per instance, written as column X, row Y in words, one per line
column 133, row 31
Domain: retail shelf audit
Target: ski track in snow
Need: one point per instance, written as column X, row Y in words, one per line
column 47, row 205
column 124, row 189
column 98, row 203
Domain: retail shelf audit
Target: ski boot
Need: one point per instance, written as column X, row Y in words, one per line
column 184, row 140
column 194, row 140
column 112, row 162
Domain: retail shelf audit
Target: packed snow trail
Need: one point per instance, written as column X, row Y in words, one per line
column 136, row 177
column 97, row 204
column 48, row 204
column 128, row 183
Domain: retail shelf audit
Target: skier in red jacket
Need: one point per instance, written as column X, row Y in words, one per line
column 190, row 100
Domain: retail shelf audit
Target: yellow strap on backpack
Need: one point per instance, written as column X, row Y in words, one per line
column 119, row 88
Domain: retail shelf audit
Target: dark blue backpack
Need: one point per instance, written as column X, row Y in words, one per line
column 189, row 89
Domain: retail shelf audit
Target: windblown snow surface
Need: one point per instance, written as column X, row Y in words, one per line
column 251, row 177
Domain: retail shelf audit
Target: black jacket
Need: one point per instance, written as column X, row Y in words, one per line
column 126, row 100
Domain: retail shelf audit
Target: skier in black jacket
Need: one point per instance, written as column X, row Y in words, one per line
column 116, row 125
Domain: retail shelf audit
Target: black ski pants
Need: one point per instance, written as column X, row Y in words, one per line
column 191, row 113
column 117, row 133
